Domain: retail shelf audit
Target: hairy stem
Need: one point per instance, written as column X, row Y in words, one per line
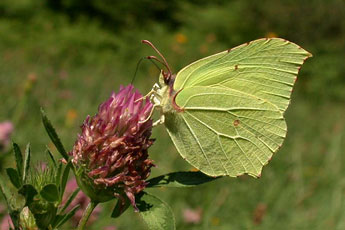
column 87, row 213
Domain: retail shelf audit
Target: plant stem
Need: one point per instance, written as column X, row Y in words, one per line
column 87, row 213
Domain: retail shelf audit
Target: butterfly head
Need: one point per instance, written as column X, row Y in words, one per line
column 168, row 78
column 166, row 73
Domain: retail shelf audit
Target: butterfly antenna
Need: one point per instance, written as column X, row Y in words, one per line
column 136, row 69
column 165, row 63
column 151, row 58
column 146, row 58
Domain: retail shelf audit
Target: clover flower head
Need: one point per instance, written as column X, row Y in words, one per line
column 111, row 150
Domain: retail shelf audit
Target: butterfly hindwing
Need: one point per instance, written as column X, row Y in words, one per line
column 225, row 132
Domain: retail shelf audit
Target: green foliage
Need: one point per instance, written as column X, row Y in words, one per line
column 29, row 192
column 14, row 203
column 19, row 159
column 27, row 158
column 180, row 180
column 64, row 179
column 61, row 219
column 40, row 189
column 14, row 177
column 69, row 200
column 156, row 213
column 53, row 135
column 120, row 207
column 52, row 158
column 27, row 219
column 50, row 193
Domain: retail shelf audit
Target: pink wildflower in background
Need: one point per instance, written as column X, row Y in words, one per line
column 6, row 129
column 112, row 148
column 192, row 216
column 6, row 222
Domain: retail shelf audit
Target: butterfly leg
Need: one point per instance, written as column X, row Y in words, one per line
column 152, row 92
column 155, row 98
column 160, row 121
column 149, row 94
column 156, row 87
column 156, row 104
column 150, row 115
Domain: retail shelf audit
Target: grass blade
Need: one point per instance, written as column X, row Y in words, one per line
column 64, row 178
column 69, row 200
column 67, row 216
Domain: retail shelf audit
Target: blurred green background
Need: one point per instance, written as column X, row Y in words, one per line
column 69, row 55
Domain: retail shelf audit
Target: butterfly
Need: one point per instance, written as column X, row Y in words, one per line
column 225, row 113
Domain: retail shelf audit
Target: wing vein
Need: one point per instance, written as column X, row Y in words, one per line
column 244, row 123
column 197, row 140
column 226, row 155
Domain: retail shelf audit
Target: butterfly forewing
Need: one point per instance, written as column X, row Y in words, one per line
column 266, row 68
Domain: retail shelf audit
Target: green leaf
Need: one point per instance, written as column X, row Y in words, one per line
column 14, row 177
column 57, row 219
column 53, row 135
column 6, row 194
column 51, row 156
column 28, row 191
column 17, row 201
column 65, row 178
column 67, row 216
column 14, row 202
column 120, row 207
column 44, row 215
column 180, row 179
column 50, row 193
column 13, row 212
column 156, row 213
column 27, row 158
column 19, row 159
column 27, row 219
column 69, row 200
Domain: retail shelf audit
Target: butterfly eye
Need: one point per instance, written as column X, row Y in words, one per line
column 167, row 77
